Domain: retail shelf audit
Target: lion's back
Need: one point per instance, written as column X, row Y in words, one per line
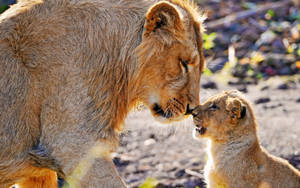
column 39, row 42
column 22, row 52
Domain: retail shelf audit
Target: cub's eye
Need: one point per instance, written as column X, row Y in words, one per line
column 184, row 64
column 213, row 107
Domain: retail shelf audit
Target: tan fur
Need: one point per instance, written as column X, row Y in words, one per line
column 43, row 180
column 71, row 70
column 236, row 159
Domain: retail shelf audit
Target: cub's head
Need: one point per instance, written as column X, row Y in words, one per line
column 171, row 59
column 224, row 116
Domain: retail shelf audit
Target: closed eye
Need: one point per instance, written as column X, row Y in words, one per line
column 184, row 64
column 213, row 107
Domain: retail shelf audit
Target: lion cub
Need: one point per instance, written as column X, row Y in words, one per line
column 236, row 159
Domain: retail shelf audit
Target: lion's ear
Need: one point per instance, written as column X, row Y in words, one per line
column 236, row 109
column 163, row 16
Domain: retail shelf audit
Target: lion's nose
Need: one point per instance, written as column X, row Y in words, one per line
column 188, row 110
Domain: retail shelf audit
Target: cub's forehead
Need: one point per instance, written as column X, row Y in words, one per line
column 218, row 97
column 225, row 95
column 215, row 99
column 234, row 94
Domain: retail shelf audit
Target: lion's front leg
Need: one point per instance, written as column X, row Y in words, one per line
column 74, row 141
column 85, row 163
column 95, row 169
column 102, row 173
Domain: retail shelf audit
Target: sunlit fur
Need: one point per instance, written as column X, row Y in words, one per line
column 71, row 70
column 235, row 157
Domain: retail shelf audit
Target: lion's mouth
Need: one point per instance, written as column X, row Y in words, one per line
column 160, row 112
column 201, row 130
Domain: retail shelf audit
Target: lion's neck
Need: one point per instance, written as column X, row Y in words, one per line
column 114, row 80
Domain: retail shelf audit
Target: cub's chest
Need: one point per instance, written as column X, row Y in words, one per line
column 214, row 176
column 216, row 180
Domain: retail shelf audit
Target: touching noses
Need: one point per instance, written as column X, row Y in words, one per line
column 195, row 112
column 192, row 105
column 188, row 110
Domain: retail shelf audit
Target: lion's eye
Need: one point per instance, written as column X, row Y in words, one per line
column 185, row 65
column 213, row 107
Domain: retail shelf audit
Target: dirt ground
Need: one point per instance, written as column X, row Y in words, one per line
column 169, row 154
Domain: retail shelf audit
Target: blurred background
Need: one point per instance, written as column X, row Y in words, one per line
column 250, row 45
column 4, row 4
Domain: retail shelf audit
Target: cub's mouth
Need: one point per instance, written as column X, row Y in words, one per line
column 201, row 130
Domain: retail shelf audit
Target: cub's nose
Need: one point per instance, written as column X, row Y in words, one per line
column 196, row 111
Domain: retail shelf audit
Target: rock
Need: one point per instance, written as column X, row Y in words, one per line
column 184, row 161
column 180, row 173
column 285, row 71
column 251, row 34
column 266, row 38
column 210, row 85
column 196, row 164
column 194, row 183
column 152, row 136
column 280, row 27
column 172, row 169
column 149, row 142
column 285, row 25
column 119, row 162
column 242, row 88
column 270, row 71
column 130, row 168
column 223, row 39
column 240, row 70
column 8, row 2
column 133, row 180
column 60, row 182
column 278, row 45
column 295, row 33
column 283, row 86
column 217, row 64
column 139, row 171
column 236, row 82
column 272, row 106
column 262, row 100
column 235, row 38
column 265, row 88
column 161, row 185
column 294, row 160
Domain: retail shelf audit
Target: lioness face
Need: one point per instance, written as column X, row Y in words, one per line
column 171, row 57
column 173, row 87
column 219, row 117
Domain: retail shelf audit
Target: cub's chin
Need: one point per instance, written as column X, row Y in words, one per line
column 199, row 132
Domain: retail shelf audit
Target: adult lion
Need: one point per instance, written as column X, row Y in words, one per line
column 71, row 70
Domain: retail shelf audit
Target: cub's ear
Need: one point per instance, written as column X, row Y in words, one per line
column 236, row 109
column 163, row 15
